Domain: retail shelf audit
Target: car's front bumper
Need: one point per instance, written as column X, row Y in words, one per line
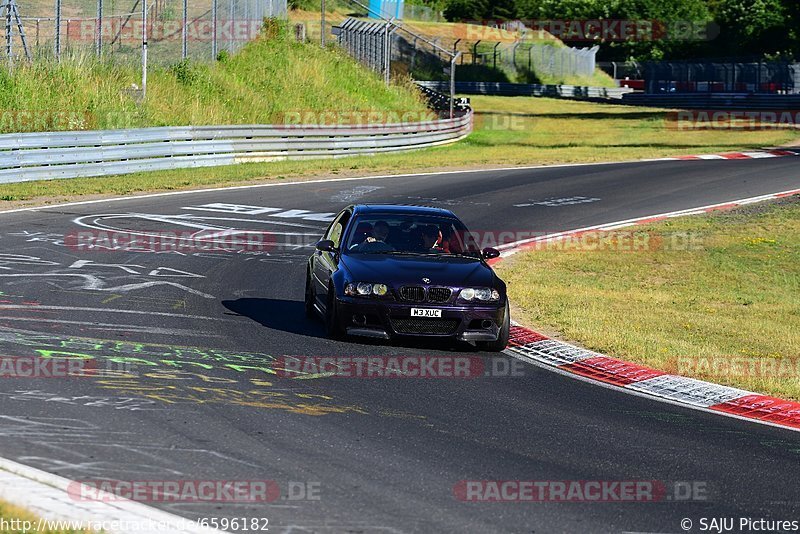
column 390, row 319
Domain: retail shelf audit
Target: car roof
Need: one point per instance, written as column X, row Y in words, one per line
column 398, row 209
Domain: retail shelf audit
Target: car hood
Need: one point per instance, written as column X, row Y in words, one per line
column 406, row 270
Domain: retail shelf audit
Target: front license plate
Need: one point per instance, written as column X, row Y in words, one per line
column 425, row 312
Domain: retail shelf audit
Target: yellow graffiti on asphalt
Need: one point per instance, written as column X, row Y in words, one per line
column 180, row 375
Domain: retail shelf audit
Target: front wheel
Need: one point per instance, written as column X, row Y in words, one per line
column 502, row 339
column 332, row 328
column 311, row 298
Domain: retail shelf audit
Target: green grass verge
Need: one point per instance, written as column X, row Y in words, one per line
column 269, row 77
column 15, row 520
column 727, row 310
column 509, row 131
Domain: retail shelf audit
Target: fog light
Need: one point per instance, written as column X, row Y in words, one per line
column 380, row 289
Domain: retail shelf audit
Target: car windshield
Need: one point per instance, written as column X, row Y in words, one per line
column 410, row 234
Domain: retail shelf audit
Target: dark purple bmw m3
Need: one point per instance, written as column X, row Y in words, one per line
column 388, row 271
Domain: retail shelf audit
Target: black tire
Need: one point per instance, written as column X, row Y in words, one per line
column 502, row 340
column 332, row 328
column 311, row 311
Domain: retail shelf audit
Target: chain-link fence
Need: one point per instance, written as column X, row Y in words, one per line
column 113, row 29
column 546, row 60
column 368, row 42
column 534, row 61
column 412, row 12
column 378, row 44
column 622, row 70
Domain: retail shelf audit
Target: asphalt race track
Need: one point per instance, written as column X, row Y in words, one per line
column 196, row 331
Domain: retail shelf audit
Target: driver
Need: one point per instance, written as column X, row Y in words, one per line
column 377, row 241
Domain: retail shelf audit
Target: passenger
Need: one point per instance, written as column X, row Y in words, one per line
column 431, row 238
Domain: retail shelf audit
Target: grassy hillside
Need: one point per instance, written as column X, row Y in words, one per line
column 267, row 78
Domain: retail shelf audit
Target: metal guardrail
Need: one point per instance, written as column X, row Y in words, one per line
column 52, row 155
column 519, row 89
column 727, row 101
column 441, row 102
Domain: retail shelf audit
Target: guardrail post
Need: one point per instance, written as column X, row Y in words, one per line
column 57, row 43
column 144, row 49
column 387, row 51
column 184, row 30
column 322, row 25
column 99, row 40
column 214, row 44
column 453, row 84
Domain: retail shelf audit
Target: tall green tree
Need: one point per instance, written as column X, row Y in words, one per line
column 752, row 27
column 463, row 10
column 460, row 10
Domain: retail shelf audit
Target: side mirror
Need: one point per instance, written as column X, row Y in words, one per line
column 490, row 253
column 326, row 245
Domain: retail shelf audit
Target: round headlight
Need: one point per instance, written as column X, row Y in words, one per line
column 495, row 294
column 350, row 290
column 483, row 293
column 364, row 289
column 380, row 289
column 468, row 293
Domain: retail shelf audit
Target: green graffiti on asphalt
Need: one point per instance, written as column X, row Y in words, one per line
column 179, row 375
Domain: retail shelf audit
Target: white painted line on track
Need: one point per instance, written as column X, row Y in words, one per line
column 332, row 180
column 509, row 249
column 47, row 496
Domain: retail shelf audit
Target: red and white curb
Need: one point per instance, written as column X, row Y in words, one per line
column 533, row 347
column 540, row 350
column 47, row 496
column 753, row 154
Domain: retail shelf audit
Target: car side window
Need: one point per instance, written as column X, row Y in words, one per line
column 337, row 228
